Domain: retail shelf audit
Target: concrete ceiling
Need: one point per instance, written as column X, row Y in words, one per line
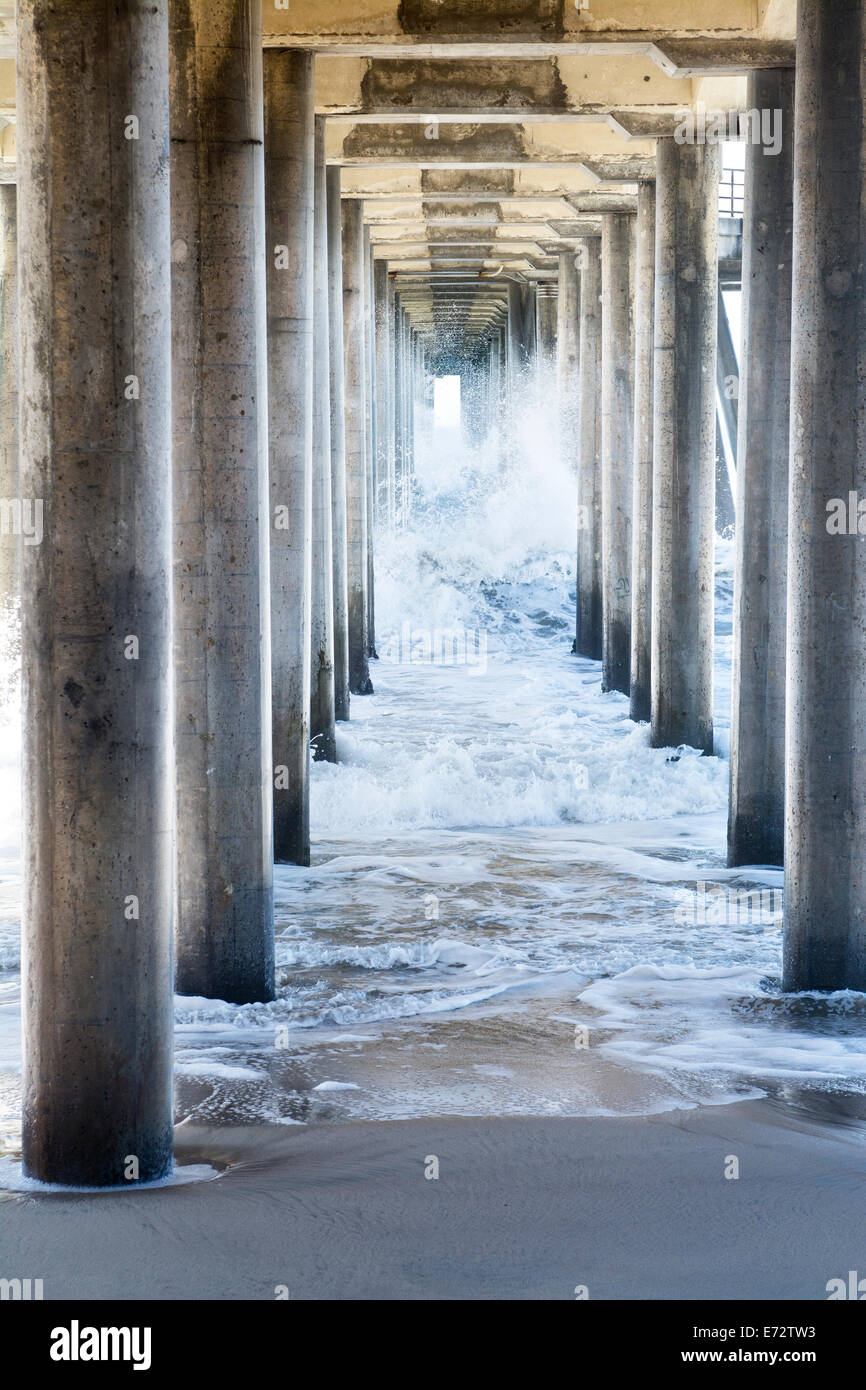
column 484, row 137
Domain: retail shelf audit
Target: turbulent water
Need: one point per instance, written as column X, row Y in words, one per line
column 515, row 904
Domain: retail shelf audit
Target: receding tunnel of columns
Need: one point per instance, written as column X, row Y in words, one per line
column 226, row 379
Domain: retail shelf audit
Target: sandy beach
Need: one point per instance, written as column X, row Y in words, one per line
column 523, row 1208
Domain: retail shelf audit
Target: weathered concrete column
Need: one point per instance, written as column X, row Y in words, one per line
column 502, row 400
column 338, row 444
column 825, row 784
column 322, row 711
column 372, row 442
column 370, row 377
column 568, row 349
column 617, row 444
column 568, row 379
column 494, row 384
column 756, row 819
column 684, row 442
column 355, row 347
column 95, row 315
column 589, row 579
column 289, row 210
column 384, row 386
column 225, row 925
column 399, row 417
column 408, row 420
column 529, row 319
column 516, row 362
column 391, row 426
column 10, row 489
column 410, row 403
column 546, row 314
column 642, row 494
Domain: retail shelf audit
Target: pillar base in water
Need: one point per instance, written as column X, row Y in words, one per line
column 640, row 705
column 91, row 1164
column 755, row 839
column 324, row 748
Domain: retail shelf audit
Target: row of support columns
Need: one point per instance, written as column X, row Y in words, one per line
column 636, row 339
column 637, row 331
column 199, row 363
column 199, row 345
column 798, row 735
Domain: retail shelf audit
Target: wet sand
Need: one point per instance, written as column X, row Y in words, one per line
column 523, row 1208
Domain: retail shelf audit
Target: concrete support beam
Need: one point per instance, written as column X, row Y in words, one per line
column 595, row 147
column 224, row 938
column 449, row 29
column 355, row 355
column 399, row 416
column 825, row 785
column 338, row 446
column 617, row 444
column 546, row 307
column 568, row 375
column 521, row 333
column 10, row 485
column 642, row 496
column 409, row 419
column 589, row 475
column 384, row 391
column 95, row 316
column 756, row 822
column 322, row 707
column 501, row 89
column 684, row 445
column 289, row 204
column 528, row 184
column 372, row 445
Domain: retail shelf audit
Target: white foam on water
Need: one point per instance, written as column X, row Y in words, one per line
column 731, row 1021
column 13, row 1179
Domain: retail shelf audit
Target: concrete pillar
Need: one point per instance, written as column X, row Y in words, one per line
column 338, row 444
column 568, row 343
column 516, row 362
column 684, row 438
column 617, row 444
column 384, row 386
column 372, row 442
column 642, row 495
column 589, row 577
column 355, row 348
column 528, row 321
column 410, row 412
column 503, row 398
column 322, row 713
column 494, row 384
column 10, row 546
column 408, row 420
column 825, row 785
column 568, row 379
column 224, row 935
column 95, row 422
column 391, row 427
column 756, row 822
column 399, row 417
column 289, row 210
column 546, row 306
